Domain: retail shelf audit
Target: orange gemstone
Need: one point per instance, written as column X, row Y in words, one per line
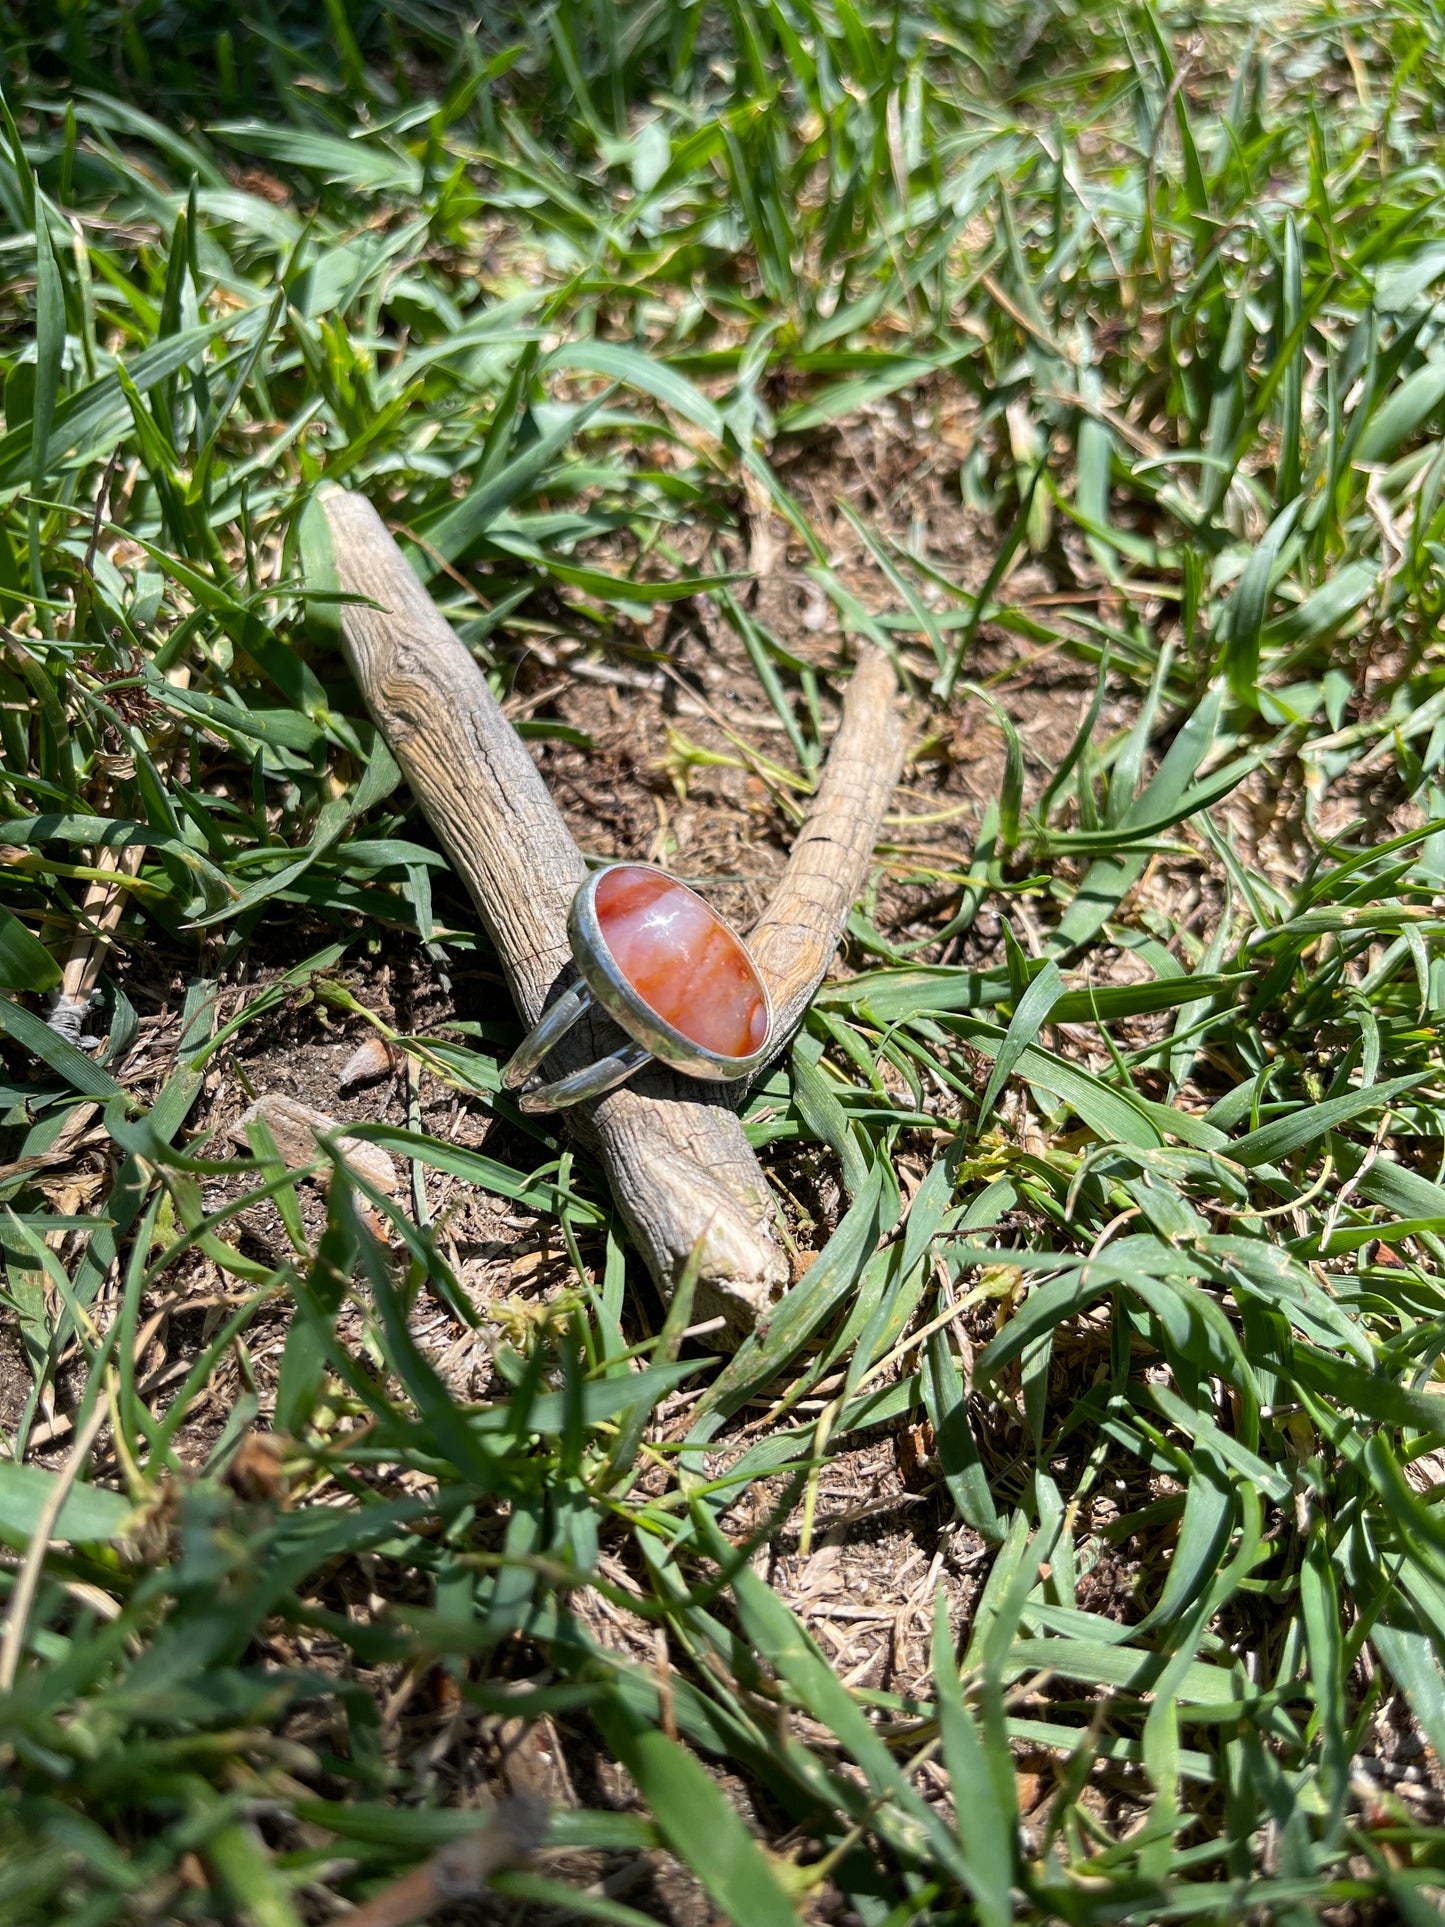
column 682, row 960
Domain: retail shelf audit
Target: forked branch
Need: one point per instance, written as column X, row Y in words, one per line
column 674, row 1151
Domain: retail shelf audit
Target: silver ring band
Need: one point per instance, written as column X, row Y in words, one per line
column 594, row 1080
column 550, row 1028
column 591, row 1081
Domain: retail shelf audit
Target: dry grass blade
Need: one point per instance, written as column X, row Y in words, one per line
column 506, row 1837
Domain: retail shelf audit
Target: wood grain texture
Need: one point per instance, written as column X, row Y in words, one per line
column 673, row 1149
column 794, row 940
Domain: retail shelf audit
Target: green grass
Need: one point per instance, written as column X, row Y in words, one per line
column 558, row 294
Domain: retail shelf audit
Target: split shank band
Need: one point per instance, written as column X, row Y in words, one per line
column 675, row 922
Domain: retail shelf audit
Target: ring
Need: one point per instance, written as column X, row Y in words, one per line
column 667, row 970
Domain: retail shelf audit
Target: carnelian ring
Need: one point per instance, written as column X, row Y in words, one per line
column 669, row 971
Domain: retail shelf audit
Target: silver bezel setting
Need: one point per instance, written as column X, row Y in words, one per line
column 633, row 1013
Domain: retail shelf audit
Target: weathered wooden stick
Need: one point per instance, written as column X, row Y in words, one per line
column 681, row 1169
column 793, row 941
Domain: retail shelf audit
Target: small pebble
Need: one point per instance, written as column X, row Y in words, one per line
column 372, row 1058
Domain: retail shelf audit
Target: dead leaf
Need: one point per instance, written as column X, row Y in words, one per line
column 256, row 1471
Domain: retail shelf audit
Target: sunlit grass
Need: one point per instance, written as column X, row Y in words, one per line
column 556, row 294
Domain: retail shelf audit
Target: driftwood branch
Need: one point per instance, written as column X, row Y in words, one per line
column 674, row 1151
column 793, row 941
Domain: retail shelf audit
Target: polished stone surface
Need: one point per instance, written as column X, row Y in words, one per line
column 681, row 958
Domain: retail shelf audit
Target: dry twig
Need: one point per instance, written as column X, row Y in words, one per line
column 460, row 1870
